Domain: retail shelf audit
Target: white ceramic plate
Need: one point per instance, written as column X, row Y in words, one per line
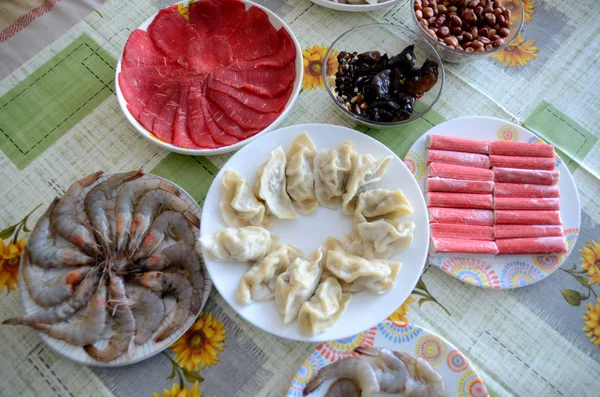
column 310, row 231
column 142, row 352
column 355, row 7
column 277, row 23
column 460, row 378
column 506, row 271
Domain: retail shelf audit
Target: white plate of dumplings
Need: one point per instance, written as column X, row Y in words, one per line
column 305, row 225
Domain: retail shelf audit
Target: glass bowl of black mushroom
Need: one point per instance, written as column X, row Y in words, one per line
column 384, row 75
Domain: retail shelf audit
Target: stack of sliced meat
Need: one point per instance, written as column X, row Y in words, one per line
column 211, row 82
column 493, row 197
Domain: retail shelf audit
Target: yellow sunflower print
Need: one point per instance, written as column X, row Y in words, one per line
column 400, row 313
column 312, row 58
column 10, row 258
column 592, row 322
column 516, row 53
column 528, row 9
column 201, row 344
column 185, row 11
column 177, row 391
column 590, row 261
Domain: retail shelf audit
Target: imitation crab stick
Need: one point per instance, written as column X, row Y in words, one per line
column 526, row 217
column 529, row 203
column 532, row 245
column 521, row 149
column 462, row 246
column 440, row 142
column 534, row 177
column 530, row 163
column 458, row 186
column 458, row 158
column 452, row 171
column 460, row 200
column 524, row 190
column 445, row 230
column 461, row 215
column 521, row 231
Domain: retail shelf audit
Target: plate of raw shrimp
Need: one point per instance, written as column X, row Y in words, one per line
column 390, row 359
column 111, row 274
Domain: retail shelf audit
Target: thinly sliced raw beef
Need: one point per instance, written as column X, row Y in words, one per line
column 196, row 123
column 226, row 123
column 218, row 133
column 181, row 137
column 163, row 124
column 259, row 103
column 255, row 37
column 216, row 17
column 244, row 116
column 172, row 33
column 204, row 56
column 155, row 104
column 265, row 81
column 286, row 54
column 141, row 51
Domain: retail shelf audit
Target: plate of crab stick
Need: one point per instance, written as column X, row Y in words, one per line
column 503, row 208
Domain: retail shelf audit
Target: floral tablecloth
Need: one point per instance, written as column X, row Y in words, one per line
column 59, row 120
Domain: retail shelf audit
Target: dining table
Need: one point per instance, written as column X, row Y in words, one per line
column 60, row 120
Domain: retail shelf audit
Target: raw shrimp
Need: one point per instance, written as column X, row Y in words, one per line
column 64, row 216
column 96, row 201
column 122, row 340
column 150, row 308
column 423, row 381
column 42, row 247
column 127, row 197
column 66, row 309
column 84, row 332
column 173, row 224
column 343, row 388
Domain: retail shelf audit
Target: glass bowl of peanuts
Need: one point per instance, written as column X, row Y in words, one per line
column 467, row 30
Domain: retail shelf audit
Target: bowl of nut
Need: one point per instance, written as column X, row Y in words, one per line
column 467, row 30
column 383, row 75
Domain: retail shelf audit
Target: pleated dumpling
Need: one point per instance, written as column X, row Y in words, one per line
column 296, row 285
column 331, row 172
column 271, row 186
column 250, row 243
column 258, row 283
column 324, row 308
column 299, row 174
column 365, row 170
column 239, row 206
column 379, row 239
column 381, row 204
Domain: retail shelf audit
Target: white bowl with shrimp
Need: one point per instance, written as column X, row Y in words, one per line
column 356, row 7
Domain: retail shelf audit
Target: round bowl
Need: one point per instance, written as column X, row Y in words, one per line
column 355, row 7
column 451, row 55
column 390, row 39
column 277, row 23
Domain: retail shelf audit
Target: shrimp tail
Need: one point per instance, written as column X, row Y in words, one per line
column 196, row 302
column 367, row 351
column 313, row 384
column 40, row 326
column 171, row 189
column 192, row 218
column 165, row 333
column 88, row 180
column 132, row 175
column 13, row 321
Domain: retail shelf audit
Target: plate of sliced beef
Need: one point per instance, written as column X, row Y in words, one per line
column 211, row 80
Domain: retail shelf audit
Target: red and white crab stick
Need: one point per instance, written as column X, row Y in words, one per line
column 526, row 217
column 521, row 149
column 452, row 171
column 522, row 231
column 532, row 245
column 534, row 177
column 441, row 142
column 458, row 186
column 529, row 203
column 468, row 232
column 530, row 163
column 524, row 190
column 462, row 246
column 460, row 200
column 461, row 216
column 458, row 158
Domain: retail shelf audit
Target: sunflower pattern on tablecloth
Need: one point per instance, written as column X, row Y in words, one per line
column 312, row 59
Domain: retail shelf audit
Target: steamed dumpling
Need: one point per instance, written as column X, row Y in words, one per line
column 299, row 174
column 331, row 172
column 365, row 170
column 296, row 285
column 379, row 239
column 324, row 308
column 381, row 204
column 239, row 206
column 271, row 186
column 250, row 243
column 258, row 283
